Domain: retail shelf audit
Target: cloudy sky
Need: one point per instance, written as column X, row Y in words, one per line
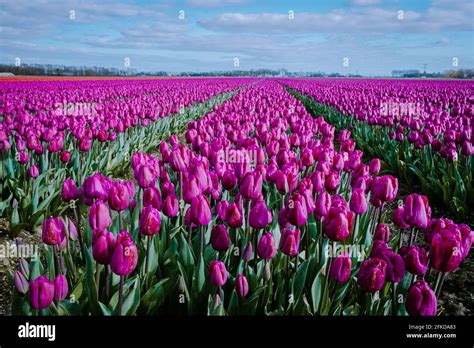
column 375, row 36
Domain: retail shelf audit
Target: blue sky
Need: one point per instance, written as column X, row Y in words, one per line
column 297, row 35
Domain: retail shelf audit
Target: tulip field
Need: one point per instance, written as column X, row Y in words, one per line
column 237, row 196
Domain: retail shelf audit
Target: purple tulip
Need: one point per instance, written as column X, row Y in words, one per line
column 358, row 202
column 99, row 216
column 171, row 206
column 241, row 285
column 338, row 224
column 398, row 218
column 295, row 208
column 65, row 156
column 145, row 177
column 53, row 231
column 384, row 190
column 95, row 187
column 61, row 289
column 340, row 269
column 220, row 240
column 233, row 215
column 416, row 260
column 266, row 248
column 119, row 197
column 41, row 293
column 417, row 212
column 218, row 273
column 382, row 233
column 371, row 276
column 150, row 221
column 125, row 255
column 260, row 215
column 69, row 190
column 200, row 211
column 322, row 205
column 421, row 300
column 21, row 283
column 289, row 242
column 34, row 171
column 103, row 247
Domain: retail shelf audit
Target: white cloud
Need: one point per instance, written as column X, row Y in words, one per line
column 216, row 3
column 441, row 15
column 365, row 2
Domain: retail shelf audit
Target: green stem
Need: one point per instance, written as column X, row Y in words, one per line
column 148, row 246
column 120, row 302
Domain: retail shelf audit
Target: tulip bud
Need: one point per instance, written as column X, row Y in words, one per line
column 338, row 224
column 289, row 242
column 248, row 252
column 72, row 230
column 95, row 187
column 125, row 255
column 382, row 233
column 358, row 202
column 260, row 215
column 200, row 211
column 24, row 268
column 374, row 166
column 21, row 283
column 41, row 292
column 332, row 182
column 398, row 218
column 218, row 273
column 53, row 231
column 69, row 190
column 145, row 177
column 220, row 240
column 322, row 205
column 103, row 247
column 267, row 274
column 417, row 212
column 421, row 300
column 266, row 248
column 296, row 212
column 119, row 197
column 384, row 189
column 234, row 216
column 415, row 259
column 34, row 171
column 181, row 285
column 319, row 179
column 99, row 216
column 371, row 276
column 150, row 221
column 395, row 267
column 61, row 289
column 241, row 285
column 446, row 250
column 171, row 206
column 65, row 156
column 340, row 269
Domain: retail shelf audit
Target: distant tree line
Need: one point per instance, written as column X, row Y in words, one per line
column 61, row 70
column 459, row 74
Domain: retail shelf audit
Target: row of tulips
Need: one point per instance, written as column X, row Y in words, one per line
column 421, row 129
column 262, row 209
column 41, row 145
